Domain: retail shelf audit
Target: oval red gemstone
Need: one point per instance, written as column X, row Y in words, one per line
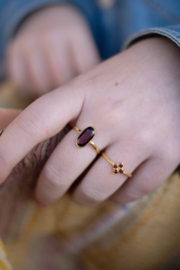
column 121, row 171
column 115, row 166
column 115, row 171
column 86, row 136
column 120, row 165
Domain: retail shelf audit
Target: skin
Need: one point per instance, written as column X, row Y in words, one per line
column 133, row 101
column 6, row 117
column 51, row 47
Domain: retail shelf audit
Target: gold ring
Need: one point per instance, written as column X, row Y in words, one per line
column 117, row 167
column 85, row 137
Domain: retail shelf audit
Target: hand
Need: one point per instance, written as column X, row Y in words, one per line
column 51, row 47
column 133, row 101
column 6, row 117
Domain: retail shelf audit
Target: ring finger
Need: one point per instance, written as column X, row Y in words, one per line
column 147, row 178
column 100, row 182
column 65, row 164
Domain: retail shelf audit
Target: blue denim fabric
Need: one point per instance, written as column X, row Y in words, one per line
column 123, row 22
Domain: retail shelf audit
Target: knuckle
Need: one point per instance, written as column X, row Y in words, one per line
column 30, row 125
column 53, row 176
column 77, row 85
column 76, row 91
column 141, row 141
column 145, row 137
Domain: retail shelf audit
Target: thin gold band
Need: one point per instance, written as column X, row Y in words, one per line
column 77, row 129
column 117, row 167
column 98, row 151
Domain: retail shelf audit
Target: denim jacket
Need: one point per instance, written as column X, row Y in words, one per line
column 115, row 24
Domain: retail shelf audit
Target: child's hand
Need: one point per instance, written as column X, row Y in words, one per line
column 133, row 101
column 51, row 47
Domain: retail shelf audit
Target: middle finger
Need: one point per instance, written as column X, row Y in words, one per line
column 65, row 164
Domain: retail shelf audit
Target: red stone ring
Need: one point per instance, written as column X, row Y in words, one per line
column 85, row 137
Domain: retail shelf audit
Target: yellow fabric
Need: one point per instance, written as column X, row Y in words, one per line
column 3, row 265
column 2, row 247
column 146, row 240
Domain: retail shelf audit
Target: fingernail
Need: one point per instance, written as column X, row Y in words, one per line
column 40, row 204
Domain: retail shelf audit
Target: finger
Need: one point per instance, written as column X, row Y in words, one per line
column 148, row 176
column 37, row 68
column 100, row 182
column 16, row 68
column 63, row 167
column 44, row 118
column 59, row 61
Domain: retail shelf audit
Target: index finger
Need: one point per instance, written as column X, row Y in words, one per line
column 44, row 118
